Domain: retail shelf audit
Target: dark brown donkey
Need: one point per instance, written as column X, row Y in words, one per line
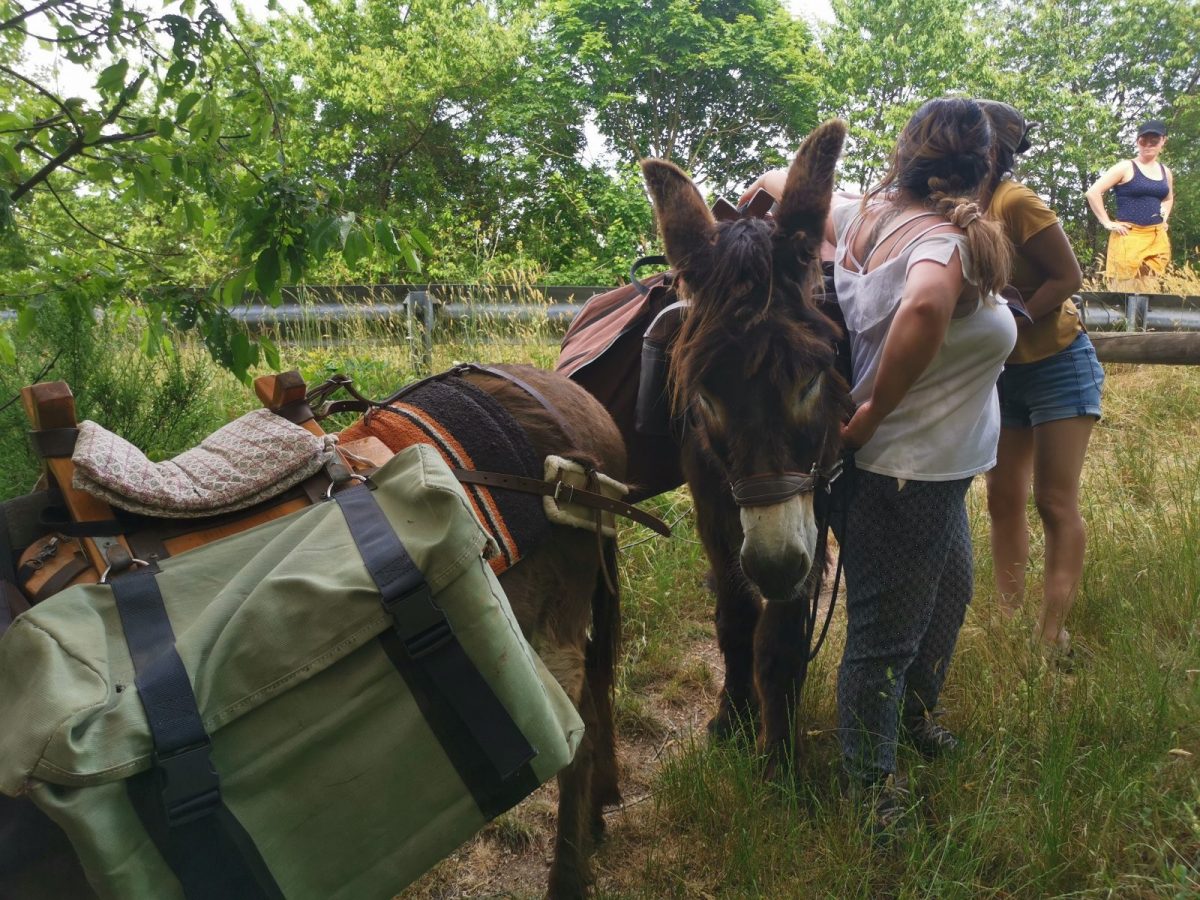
column 752, row 374
column 564, row 595
column 560, row 593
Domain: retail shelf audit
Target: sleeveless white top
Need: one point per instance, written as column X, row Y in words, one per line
column 948, row 423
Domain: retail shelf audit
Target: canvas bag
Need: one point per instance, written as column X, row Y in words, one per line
column 340, row 772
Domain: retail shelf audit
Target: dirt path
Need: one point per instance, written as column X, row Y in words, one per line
column 511, row 857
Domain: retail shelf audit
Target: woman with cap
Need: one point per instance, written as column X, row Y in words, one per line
column 1138, row 246
column 1049, row 395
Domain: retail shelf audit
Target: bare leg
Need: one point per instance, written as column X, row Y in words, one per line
column 1059, row 449
column 1007, row 494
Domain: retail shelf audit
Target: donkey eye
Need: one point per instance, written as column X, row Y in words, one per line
column 708, row 406
column 806, row 397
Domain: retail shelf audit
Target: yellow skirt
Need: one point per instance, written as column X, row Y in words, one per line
column 1146, row 250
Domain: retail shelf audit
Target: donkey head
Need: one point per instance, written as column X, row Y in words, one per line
column 753, row 365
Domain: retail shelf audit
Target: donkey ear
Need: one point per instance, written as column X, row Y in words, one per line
column 806, row 196
column 687, row 226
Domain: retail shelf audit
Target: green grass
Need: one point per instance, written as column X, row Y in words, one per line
column 1068, row 786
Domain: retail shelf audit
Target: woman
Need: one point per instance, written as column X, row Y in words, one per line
column 1138, row 246
column 918, row 271
column 1049, row 397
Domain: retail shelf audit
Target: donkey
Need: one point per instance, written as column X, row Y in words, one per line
column 753, row 378
column 564, row 594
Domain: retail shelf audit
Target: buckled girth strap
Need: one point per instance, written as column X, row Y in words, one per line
column 179, row 799
column 454, row 696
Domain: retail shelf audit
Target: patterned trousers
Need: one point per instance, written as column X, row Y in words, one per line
column 909, row 578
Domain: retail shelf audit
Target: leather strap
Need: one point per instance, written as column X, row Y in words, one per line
column 562, row 423
column 64, row 576
column 767, row 490
column 567, row 493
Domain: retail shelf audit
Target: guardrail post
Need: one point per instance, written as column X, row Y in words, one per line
column 411, row 300
column 1136, row 306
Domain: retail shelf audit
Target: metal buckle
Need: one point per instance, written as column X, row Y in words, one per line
column 133, row 564
column 354, row 476
column 558, row 493
column 190, row 785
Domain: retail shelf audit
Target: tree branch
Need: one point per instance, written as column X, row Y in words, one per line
column 45, row 93
column 141, row 254
column 18, row 19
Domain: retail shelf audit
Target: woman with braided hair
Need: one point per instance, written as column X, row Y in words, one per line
column 918, row 270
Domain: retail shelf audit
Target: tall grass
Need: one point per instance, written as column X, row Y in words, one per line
column 1070, row 785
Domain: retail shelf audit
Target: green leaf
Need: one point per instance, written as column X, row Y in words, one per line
column 356, row 247
column 244, row 355
column 166, row 128
column 270, row 352
column 8, row 352
column 8, row 156
column 411, row 259
column 185, row 106
column 266, row 271
column 11, row 120
column 386, row 239
column 26, row 321
column 234, row 288
column 421, row 240
column 112, row 79
column 193, row 214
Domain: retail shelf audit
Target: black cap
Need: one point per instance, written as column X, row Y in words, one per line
column 1154, row 126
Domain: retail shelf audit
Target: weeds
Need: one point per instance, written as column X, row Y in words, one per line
column 1069, row 784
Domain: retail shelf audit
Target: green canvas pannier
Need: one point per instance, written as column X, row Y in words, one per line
column 286, row 712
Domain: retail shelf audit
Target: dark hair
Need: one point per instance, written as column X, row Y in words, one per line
column 944, row 156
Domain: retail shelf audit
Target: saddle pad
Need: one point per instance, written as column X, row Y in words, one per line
column 471, row 430
column 247, row 461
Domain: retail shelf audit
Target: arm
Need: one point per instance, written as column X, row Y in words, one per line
column 1119, row 173
column 1050, row 253
column 772, row 182
column 930, row 295
column 1169, row 202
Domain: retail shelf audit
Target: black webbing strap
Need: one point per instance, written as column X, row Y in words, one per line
column 486, row 747
column 179, row 799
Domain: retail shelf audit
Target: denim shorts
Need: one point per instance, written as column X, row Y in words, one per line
column 1061, row 386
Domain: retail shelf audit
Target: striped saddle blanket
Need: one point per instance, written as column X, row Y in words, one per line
column 470, row 430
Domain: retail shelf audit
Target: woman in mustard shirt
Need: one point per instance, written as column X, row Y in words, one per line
column 1049, row 397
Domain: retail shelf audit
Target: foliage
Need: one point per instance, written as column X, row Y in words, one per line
column 179, row 126
column 886, row 57
column 1089, row 71
column 718, row 86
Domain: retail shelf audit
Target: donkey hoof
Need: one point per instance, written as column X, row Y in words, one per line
column 733, row 722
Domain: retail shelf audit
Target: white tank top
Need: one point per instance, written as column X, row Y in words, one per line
column 948, row 424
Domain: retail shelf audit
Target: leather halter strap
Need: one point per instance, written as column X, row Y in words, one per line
column 774, row 487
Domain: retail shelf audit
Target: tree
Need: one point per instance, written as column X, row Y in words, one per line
column 718, row 86
column 179, row 131
column 1088, row 71
column 886, row 58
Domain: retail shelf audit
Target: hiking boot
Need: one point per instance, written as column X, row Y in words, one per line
column 889, row 811
column 928, row 738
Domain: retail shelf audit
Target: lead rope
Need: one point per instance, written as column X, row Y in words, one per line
column 837, row 575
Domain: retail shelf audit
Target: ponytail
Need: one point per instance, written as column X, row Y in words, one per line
column 989, row 249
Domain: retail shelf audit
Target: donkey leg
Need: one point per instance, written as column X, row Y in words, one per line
column 781, row 664
column 569, row 874
column 738, row 611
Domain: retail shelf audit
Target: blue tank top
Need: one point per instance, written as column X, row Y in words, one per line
column 1139, row 199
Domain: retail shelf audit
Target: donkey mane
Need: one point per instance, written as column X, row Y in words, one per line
column 754, row 308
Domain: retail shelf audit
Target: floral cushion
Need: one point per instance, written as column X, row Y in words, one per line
column 247, row 461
